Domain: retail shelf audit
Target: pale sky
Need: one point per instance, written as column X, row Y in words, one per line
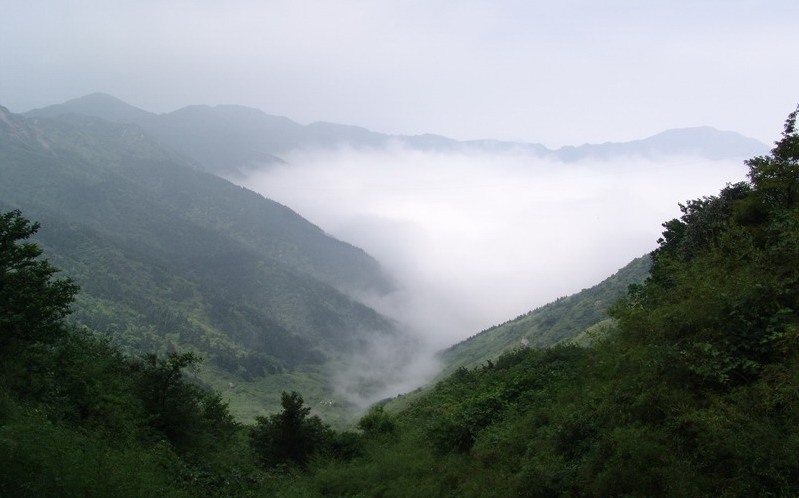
column 557, row 73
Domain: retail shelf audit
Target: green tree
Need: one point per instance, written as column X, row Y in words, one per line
column 290, row 436
column 776, row 176
column 377, row 423
column 190, row 417
column 32, row 302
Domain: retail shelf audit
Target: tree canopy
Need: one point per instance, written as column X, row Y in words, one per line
column 290, row 436
column 32, row 302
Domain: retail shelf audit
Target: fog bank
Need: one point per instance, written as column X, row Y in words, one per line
column 477, row 239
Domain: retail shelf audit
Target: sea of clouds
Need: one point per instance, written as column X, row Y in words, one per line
column 475, row 239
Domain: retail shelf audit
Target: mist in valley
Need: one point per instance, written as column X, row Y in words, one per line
column 476, row 239
column 472, row 239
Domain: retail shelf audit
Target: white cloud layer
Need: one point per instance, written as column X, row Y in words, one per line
column 477, row 239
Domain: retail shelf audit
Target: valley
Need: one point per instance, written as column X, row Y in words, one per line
column 219, row 333
column 172, row 258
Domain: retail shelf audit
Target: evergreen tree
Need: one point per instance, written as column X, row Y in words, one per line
column 32, row 302
column 290, row 436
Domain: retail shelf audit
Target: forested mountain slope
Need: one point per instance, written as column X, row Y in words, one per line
column 561, row 320
column 170, row 257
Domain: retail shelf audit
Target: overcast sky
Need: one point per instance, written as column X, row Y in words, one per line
column 556, row 72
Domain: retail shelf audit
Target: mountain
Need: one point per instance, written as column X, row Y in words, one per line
column 170, row 257
column 222, row 139
column 226, row 139
column 101, row 106
column 702, row 141
column 562, row 320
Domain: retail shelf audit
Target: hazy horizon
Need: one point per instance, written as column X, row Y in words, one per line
column 475, row 144
column 554, row 73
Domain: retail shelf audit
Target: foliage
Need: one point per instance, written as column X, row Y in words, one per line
column 291, row 436
column 42, row 458
column 186, row 414
column 776, row 177
column 32, row 303
column 170, row 258
column 560, row 321
column 377, row 423
column 737, row 270
column 78, row 417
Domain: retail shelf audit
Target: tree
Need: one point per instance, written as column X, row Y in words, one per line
column 183, row 412
column 32, row 303
column 290, row 436
column 776, row 176
column 377, row 423
column 721, row 298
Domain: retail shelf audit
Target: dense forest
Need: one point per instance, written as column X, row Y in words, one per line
column 692, row 391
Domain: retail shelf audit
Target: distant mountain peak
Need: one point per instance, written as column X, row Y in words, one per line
column 100, row 105
column 702, row 141
column 99, row 97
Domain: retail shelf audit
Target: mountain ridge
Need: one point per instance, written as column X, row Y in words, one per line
column 226, row 139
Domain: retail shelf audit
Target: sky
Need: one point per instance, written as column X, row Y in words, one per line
column 557, row 73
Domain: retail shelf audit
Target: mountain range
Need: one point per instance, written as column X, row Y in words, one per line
column 226, row 139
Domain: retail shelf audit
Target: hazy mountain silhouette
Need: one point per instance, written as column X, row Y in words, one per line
column 229, row 138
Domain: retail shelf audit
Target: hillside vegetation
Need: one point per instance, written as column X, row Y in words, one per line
column 562, row 320
column 692, row 392
column 172, row 258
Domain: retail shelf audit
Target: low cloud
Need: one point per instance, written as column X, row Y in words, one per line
column 477, row 239
column 384, row 367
